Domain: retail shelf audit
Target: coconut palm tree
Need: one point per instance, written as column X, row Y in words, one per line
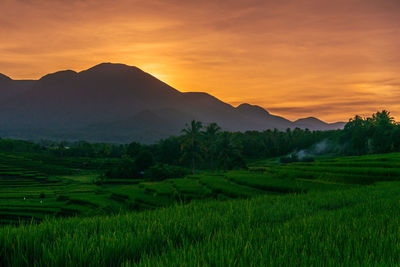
column 227, row 149
column 211, row 134
column 192, row 144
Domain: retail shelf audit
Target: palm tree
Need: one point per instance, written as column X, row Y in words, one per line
column 227, row 149
column 211, row 133
column 192, row 145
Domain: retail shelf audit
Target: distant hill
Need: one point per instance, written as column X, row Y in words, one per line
column 120, row 103
column 312, row 123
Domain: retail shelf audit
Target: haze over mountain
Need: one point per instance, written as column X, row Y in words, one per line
column 120, row 103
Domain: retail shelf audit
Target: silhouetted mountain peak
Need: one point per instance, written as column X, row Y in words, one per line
column 120, row 76
column 310, row 120
column 313, row 123
column 4, row 78
column 245, row 107
column 111, row 68
column 60, row 76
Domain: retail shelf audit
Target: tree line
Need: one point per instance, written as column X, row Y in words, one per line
column 198, row 147
column 207, row 147
column 379, row 133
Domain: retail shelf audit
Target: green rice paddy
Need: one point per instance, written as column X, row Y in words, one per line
column 340, row 211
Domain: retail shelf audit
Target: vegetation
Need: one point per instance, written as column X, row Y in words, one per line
column 165, row 171
column 316, row 194
column 349, row 227
column 377, row 134
column 54, row 189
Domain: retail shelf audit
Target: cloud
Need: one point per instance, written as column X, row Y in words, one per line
column 291, row 57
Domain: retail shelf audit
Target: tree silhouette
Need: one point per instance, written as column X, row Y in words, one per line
column 191, row 145
column 211, row 134
column 377, row 134
column 356, row 132
column 228, row 149
column 383, row 131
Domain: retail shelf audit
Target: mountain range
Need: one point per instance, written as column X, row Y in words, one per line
column 120, row 103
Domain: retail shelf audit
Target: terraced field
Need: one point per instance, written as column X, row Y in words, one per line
column 33, row 188
column 350, row 227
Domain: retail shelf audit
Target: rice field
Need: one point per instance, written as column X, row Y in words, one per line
column 352, row 227
column 339, row 211
column 28, row 193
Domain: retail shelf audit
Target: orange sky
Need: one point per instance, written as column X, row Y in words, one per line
column 329, row 59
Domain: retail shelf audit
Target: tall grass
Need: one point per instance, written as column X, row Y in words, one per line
column 353, row 227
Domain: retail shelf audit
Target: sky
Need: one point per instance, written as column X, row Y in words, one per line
column 328, row 59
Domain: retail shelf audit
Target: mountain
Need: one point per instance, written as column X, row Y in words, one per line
column 264, row 119
column 120, row 103
column 4, row 78
column 10, row 88
column 252, row 109
column 312, row 123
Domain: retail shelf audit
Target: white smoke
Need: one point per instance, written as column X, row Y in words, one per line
column 317, row 149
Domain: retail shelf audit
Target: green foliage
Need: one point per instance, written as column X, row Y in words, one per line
column 133, row 149
column 192, row 146
column 229, row 152
column 8, row 145
column 211, row 135
column 377, row 134
column 144, row 160
column 169, row 151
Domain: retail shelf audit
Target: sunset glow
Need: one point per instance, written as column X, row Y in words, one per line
column 294, row 58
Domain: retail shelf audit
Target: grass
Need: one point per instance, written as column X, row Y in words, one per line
column 191, row 188
column 347, row 227
column 160, row 188
column 220, row 185
column 337, row 211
